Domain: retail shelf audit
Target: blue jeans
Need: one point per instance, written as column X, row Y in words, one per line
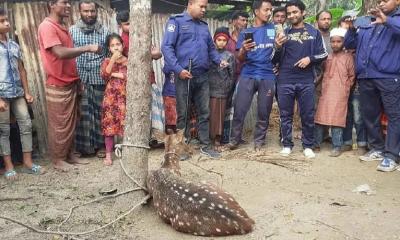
column 19, row 108
column 354, row 118
column 378, row 95
column 246, row 89
column 304, row 93
column 199, row 94
column 337, row 135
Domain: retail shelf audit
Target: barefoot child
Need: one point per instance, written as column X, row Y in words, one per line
column 221, row 81
column 336, row 84
column 114, row 73
column 14, row 96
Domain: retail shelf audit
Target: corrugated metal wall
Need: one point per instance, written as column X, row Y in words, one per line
column 26, row 18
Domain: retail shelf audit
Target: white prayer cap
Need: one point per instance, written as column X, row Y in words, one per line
column 338, row 32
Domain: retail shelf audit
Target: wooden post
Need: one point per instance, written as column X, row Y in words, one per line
column 368, row 4
column 137, row 120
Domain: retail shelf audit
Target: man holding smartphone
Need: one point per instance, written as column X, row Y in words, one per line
column 256, row 49
column 378, row 72
column 299, row 55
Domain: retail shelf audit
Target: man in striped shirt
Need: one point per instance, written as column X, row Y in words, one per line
column 88, row 30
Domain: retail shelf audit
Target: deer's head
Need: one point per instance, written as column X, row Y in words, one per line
column 175, row 148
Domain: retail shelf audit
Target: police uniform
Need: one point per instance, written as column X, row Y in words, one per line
column 187, row 38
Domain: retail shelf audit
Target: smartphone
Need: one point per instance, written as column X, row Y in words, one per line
column 279, row 29
column 248, row 35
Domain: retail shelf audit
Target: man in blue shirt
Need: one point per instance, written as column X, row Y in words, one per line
column 88, row 30
column 302, row 51
column 187, row 38
column 378, row 73
column 256, row 76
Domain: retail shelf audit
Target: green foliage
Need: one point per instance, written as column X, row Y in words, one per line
column 342, row 7
column 336, row 15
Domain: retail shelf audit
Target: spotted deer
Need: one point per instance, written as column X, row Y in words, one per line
column 194, row 208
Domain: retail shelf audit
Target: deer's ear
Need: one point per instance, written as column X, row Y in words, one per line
column 167, row 142
column 179, row 136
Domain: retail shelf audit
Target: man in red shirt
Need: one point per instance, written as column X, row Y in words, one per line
column 62, row 83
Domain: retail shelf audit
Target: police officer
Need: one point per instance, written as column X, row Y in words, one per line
column 377, row 44
column 186, row 39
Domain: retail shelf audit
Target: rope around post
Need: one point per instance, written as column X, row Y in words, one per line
column 118, row 153
column 118, row 148
column 147, row 197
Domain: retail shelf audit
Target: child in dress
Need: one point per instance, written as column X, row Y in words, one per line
column 339, row 76
column 221, row 81
column 114, row 73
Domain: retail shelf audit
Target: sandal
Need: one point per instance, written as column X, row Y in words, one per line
column 10, row 174
column 101, row 153
column 35, row 170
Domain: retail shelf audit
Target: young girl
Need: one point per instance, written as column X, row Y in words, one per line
column 221, row 81
column 338, row 78
column 114, row 73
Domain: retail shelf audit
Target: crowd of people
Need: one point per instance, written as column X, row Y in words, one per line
column 338, row 77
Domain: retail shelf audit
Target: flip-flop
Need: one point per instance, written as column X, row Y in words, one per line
column 9, row 174
column 101, row 154
column 35, row 170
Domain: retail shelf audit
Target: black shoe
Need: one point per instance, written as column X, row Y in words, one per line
column 232, row 146
column 209, row 152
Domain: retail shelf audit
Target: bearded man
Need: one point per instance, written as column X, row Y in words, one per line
column 88, row 30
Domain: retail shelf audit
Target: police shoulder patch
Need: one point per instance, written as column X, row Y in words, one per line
column 171, row 27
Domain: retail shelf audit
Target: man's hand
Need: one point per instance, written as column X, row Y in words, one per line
column 118, row 75
column 94, row 48
column 303, row 63
column 276, row 70
column 280, row 39
column 3, row 105
column 248, row 45
column 380, row 16
column 155, row 53
column 116, row 55
column 223, row 64
column 28, row 98
column 349, row 22
column 185, row 74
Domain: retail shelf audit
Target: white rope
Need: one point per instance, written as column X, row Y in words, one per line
column 144, row 200
column 118, row 148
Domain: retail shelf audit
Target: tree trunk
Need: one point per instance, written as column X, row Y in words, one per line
column 368, row 4
column 137, row 120
column 322, row 5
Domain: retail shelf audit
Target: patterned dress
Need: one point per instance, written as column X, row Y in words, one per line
column 114, row 101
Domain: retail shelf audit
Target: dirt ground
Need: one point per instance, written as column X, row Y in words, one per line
column 291, row 198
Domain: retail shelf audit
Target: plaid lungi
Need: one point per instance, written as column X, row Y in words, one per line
column 89, row 137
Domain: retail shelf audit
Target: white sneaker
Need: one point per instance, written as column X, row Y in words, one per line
column 372, row 156
column 286, row 151
column 309, row 153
